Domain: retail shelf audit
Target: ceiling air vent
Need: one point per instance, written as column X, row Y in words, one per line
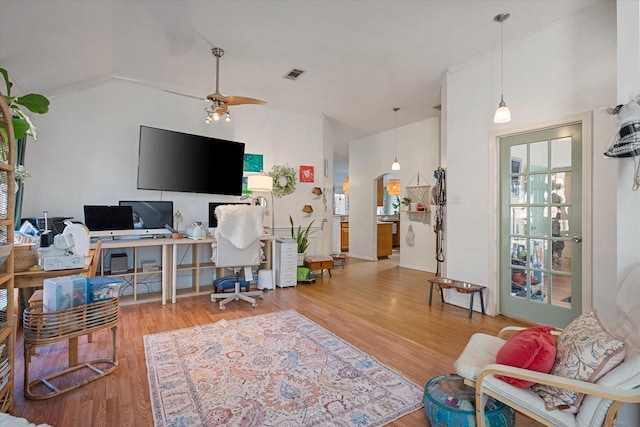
column 294, row 74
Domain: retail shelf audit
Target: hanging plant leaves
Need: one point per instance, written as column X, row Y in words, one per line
column 33, row 102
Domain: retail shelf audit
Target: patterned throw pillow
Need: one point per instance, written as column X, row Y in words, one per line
column 584, row 351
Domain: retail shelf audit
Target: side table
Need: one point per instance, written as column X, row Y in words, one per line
column 462, row 287
column 319, row 262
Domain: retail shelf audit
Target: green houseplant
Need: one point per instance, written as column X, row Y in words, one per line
column 22, row 126
column 301, row 236
column 33, row 102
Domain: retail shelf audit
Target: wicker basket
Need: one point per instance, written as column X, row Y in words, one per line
column 5, row 251
column 24, row 256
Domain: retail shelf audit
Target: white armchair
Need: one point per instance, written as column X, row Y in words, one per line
column 603, row 398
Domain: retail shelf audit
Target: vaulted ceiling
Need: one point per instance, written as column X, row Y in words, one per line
column 361, row 58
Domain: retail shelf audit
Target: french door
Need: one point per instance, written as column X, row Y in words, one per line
column 540, row 225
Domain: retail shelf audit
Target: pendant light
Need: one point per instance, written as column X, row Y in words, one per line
column 502, row 115
column 395, row 166
column 345, row 186
column 393, row 187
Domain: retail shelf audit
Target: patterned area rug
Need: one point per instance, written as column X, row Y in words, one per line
column 276, row 369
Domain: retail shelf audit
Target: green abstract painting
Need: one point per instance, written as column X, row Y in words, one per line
column 253, row 163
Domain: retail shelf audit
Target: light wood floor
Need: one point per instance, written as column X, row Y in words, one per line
column 378, row 307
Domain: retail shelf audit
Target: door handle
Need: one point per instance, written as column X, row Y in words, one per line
column 577, row 239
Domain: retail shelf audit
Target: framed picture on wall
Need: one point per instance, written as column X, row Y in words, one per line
column 253, row 163
column 306, row 174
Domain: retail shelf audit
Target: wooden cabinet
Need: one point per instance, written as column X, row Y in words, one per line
column 385, row 240
column 344, row 237
column 7, row 205
column 380, row 192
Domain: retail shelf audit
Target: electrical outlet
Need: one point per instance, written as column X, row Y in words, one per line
column 456, row 200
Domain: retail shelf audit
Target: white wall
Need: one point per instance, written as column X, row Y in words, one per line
column 371, row 157
column 87, row 151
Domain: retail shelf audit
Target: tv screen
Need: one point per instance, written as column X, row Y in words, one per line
column 150, row 214
column 175, row 161
column 102, row 218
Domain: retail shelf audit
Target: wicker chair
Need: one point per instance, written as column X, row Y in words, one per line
column 602, row 399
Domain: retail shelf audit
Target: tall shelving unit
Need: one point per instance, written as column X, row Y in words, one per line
column 7, row 205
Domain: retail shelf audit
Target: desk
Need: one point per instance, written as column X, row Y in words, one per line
column 462, row 287
column 170, row 263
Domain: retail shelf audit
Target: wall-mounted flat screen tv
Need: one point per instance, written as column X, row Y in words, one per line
column 176, row 161
column 152, row 214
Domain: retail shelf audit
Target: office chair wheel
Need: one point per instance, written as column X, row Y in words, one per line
column 223, row 307
column 254, row 305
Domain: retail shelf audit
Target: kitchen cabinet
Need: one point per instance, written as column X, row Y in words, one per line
column 385, row 240
column 380, row 192
column 344, row 236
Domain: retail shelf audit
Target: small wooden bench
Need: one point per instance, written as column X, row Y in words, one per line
column 319, row 262
column 459, row 286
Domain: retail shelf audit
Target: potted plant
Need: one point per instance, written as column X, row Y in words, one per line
column 407, row 202
column 21, row 123
column 301, row 236
column 22, row 126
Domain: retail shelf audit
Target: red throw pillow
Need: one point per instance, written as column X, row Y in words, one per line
column 532, row 348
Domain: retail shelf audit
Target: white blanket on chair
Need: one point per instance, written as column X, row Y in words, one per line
column 240, row 224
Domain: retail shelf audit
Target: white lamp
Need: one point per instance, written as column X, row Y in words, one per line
column 263, row 183
column 260, row 183
column 502, row 115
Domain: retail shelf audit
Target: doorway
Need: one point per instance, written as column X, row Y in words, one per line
column 540, row 224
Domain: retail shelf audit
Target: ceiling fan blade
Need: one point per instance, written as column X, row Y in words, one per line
column 238, row 100
column 184, row 94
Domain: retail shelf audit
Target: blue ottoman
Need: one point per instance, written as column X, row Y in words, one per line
column 449, row 402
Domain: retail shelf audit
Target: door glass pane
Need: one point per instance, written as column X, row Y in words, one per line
column 561, row 185
column 519, row 159
column 539, row 222
column 561, row 290
column 540, row 289
column 518, row 220
column 518, row 189
column 561, row 153
column 539, row 156
column 538, row 192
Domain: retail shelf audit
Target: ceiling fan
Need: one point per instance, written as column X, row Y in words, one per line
column 219, row 107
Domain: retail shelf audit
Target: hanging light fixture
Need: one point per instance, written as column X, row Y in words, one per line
column 345, row 185
column 393, row 187
column 395, row 166
column 503, row 115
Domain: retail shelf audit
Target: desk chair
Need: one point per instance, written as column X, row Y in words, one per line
column 237, row 246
